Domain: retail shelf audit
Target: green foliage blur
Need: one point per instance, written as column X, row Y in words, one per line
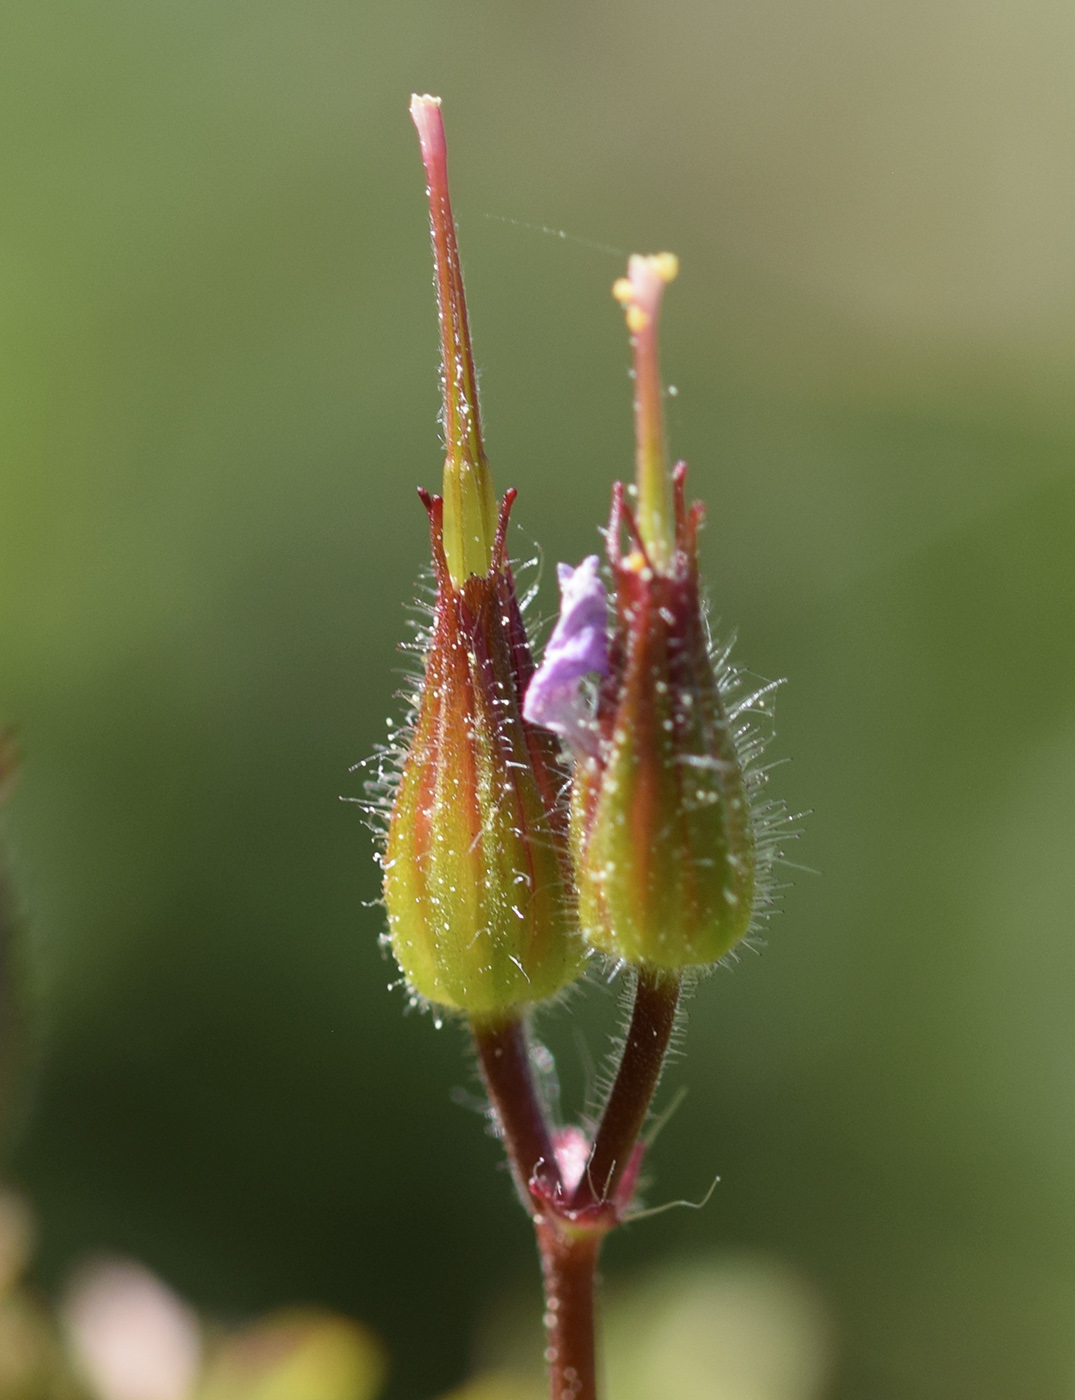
column 218, row 391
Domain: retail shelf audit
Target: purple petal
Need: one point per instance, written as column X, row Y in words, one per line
column 580, row 637
column 578, row 647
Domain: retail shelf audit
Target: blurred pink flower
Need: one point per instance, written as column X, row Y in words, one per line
column 130, row 1335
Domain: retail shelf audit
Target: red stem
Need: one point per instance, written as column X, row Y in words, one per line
column 569, row 1268
column 568, row 1254
column 504, row 1057
column 652, row 1021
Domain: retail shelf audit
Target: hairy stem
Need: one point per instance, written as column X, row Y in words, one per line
column 504, row 1057
column 652, row 1020
column 569, row 1269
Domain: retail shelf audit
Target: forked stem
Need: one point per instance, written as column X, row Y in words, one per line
column 570, row 1231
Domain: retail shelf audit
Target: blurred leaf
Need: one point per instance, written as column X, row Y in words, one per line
column 297, row 1355
column 726, row 1329
column 17, row 1237
column 30, row 1361
column 499, row 1385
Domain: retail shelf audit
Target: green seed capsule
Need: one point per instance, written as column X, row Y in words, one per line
column 664, row 847
column 480, row 908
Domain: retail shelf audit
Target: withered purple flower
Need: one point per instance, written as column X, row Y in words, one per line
column 577, row 648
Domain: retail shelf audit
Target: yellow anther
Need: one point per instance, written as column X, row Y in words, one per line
column 623, row 291
column 637, row 319
column 635, row 561
column 666, row 265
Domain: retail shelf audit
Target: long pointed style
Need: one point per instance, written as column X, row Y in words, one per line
column 470, row 514
column 641, row 293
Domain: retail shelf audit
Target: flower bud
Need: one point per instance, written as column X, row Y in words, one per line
column 476, row 866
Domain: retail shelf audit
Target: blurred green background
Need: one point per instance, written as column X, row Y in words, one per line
column 218, row 391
